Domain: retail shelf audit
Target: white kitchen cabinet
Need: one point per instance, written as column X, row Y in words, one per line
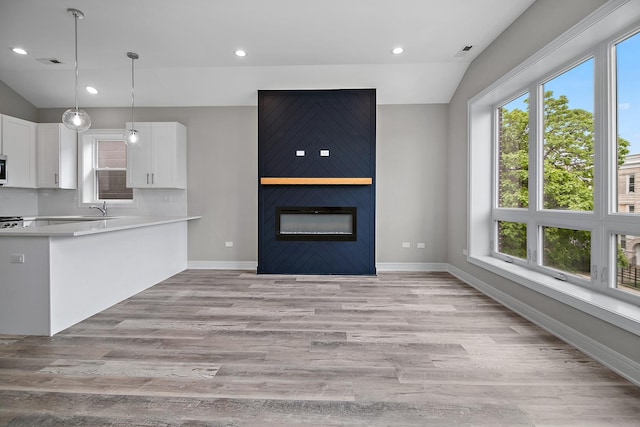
column 57, row 156
column 160, row 160
column 19, row 145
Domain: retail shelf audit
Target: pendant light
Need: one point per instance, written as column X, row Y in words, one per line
column 131, row 135
column 74, row 118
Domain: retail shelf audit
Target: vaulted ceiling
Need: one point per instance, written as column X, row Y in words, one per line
column 187, row 47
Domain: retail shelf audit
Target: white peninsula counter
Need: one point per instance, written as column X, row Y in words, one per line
column 54, row 276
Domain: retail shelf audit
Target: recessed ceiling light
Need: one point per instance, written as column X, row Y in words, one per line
column 92, row 90
column 240, row 53
column 397, row 50
column 19, row 51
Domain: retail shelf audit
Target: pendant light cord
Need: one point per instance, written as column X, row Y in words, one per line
column 133, row 57
column 133, row 97
column 75, row 15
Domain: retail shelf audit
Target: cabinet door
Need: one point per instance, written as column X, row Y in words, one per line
column 164, row 154
column 68, row 173
column 139, row 158
column 57, row 156
column 19, row 145
column 169, row 155
column 48, row 156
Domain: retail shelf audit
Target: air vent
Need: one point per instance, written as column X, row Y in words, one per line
column 49, row 61
column 464, row 51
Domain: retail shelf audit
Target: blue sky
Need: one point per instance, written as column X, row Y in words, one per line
column 577, row 85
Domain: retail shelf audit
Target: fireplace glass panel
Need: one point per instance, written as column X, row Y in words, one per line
column 316, row 223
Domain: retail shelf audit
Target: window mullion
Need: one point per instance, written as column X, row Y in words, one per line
column 603, row 174
column 535, row 153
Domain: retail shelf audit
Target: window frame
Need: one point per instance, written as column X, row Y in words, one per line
column 594, row 36
column 87, row 171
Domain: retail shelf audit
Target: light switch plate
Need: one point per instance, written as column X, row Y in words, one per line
column 324, row 153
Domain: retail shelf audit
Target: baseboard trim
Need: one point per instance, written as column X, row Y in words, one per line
column 223, row 265
column 615, row 361
column 410, row 266
column 381, row 266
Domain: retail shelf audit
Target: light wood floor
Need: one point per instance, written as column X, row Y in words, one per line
column 232, row 348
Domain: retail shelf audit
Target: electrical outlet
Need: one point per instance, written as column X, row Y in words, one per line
column 228, row 244
column 17, row 258
column 464, row 252
column 420, row 245
column 406, row 244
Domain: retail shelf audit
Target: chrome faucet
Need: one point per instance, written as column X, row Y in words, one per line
column 102, row 209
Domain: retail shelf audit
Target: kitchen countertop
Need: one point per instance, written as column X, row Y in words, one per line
column 87, row 225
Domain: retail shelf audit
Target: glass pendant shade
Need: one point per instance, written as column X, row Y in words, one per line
column 76, row 119
column 131, row 137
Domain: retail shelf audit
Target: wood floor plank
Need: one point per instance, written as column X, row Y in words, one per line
column 232, row 348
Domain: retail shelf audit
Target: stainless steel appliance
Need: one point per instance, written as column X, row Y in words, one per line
column 3, row 169
column 11, row 221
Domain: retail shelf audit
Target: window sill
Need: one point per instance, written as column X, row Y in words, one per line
column 620, row 313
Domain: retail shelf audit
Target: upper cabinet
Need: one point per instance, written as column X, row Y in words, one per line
column 57, row 156
column 160, row 160
column 19, row 145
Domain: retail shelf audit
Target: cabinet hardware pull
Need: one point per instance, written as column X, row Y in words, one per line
column 153, row 178
column 147, row 178
column 55, row 178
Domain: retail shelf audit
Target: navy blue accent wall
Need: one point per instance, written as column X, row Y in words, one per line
column 343, row 122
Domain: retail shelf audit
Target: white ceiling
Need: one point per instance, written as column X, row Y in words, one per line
column 186, row 48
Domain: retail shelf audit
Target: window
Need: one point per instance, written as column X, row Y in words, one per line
column 567, row 250
column 103, row 165
column 512, row 238
column 627, row 264
column 111, row 171
column 567, row 139
column 627, row 108
column 554, row 147
column 513, row 140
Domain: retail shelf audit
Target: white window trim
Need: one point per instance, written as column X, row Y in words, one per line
column 86, row 171
column 608, row 304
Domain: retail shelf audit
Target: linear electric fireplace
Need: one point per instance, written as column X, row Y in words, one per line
column 316, row 223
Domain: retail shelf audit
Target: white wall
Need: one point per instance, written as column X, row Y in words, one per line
column 18, row 201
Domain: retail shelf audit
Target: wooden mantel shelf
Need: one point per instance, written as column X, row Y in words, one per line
column 315, row 181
